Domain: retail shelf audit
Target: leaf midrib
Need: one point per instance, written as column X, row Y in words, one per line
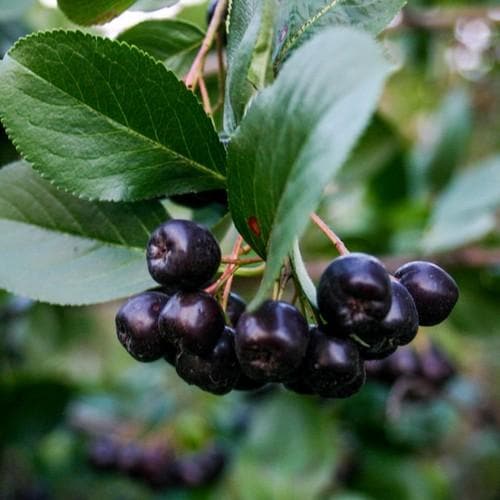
column 118, row 125
column 303, row 28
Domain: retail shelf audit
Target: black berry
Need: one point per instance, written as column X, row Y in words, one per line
column 137, row 326
column 354, row 292
column 271, row 342
column 435, row 366
column 399, row 327
column 192, row 321
column 245, row 383
column 182, row 255
column 236, row 306
column 333, row 367
column 434, row 291
column 216, row 373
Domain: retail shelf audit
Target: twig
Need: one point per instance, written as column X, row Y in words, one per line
column 229, row 283
column 194, row 74
column 241, row 262
column 339, row 244
column 205, row 98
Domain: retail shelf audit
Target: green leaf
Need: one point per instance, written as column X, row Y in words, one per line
column 299, row 21
column 465, row 212
column 105, row 121
column 151, row 5
column 88, row 12
column 173, row 42
column 286, row 455
column 12, row 9
column 300, row 271
column 247, row 42
column 296, row 135
column 60, row 249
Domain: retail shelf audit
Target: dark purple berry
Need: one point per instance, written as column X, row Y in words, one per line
column 271, row 341
column 300, row 386
column 434, row 291
column 192, row 321
column 245, row 383
column 129, row 459
column 354, row 293
column 137, row 326
column 333, row 367
column 435, row 366
column 182, row 255
column 236, row 306
column 200, row 469
column 103, row 452
column 217, row 372
column 399, row 327
column 403, row 363
column 156, row 467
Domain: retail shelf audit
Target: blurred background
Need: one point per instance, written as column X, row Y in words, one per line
column 80, row 419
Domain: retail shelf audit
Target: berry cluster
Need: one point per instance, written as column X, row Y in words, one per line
column 430, row 368
column 364, row 313
column 157, row 465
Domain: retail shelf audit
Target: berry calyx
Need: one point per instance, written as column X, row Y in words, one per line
column 333, row 367
column 271, row 341
column 354, row 291
column 399, row 327
column 216, row 373
column 434, row 291
column 137, row 326
column 192, row 321
column 182, row 255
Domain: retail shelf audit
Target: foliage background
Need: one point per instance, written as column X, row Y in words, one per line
column 417, row 184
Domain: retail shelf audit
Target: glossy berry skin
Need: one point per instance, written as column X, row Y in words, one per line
column 354, row 292
column 333, row 367
column 216, row 373
column 192, row 321
column 434, row 291
column 182, row 255
column 271, row 341
column 236, row 306
column 137, row 326
column 399, row 327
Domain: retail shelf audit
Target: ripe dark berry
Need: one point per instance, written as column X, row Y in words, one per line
column 435, row 366
column 245, row 383
column 333, row 367
column 399, row 327
column 216, row 373
column 137, row 326
column 157, row 462
column 271, row 342
column 236, row 306
column 354, row 292
column 103, row 453
column 192, row 321
column 300, row 386
column 434, row 291
column 182, row 255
